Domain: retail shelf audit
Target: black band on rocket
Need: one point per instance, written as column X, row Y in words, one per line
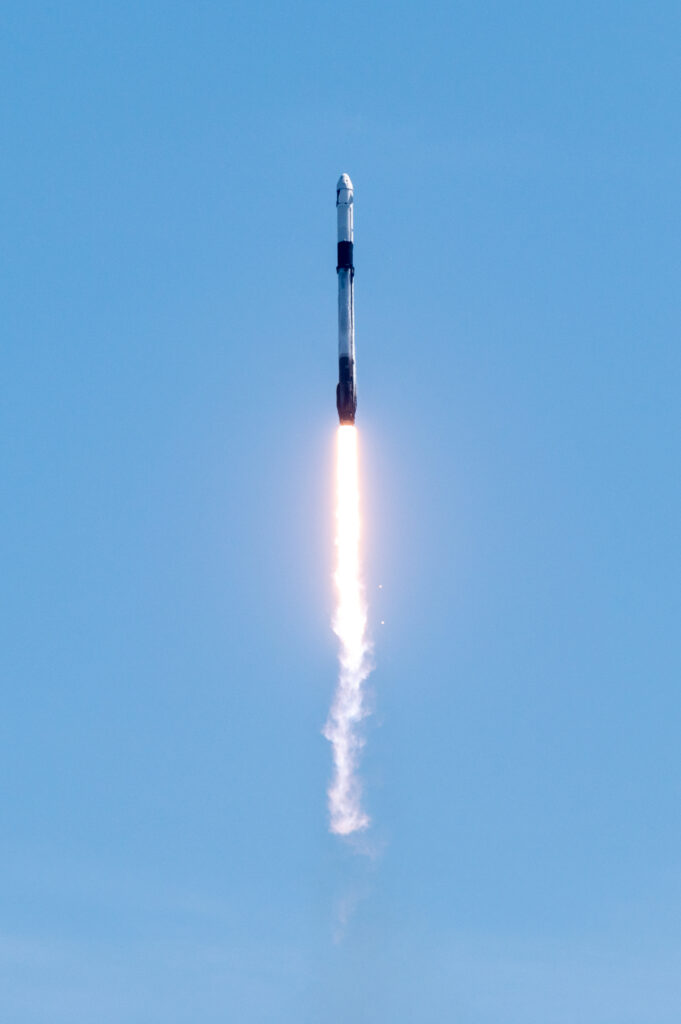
column 346, row 372
column 345, row 254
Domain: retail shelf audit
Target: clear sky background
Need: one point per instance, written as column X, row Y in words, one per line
column 167, row 424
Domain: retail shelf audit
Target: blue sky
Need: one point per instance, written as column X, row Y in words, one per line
column 167, row 422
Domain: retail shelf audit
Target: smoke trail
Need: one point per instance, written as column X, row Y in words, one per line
column 349, row 625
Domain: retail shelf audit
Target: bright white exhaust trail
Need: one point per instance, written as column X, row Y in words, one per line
column 350, row 626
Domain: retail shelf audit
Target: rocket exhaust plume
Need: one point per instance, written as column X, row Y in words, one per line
column 350, row 626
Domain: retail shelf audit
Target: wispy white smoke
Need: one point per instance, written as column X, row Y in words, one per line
column 349, row 625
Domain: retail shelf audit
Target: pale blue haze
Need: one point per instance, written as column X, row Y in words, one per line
column 167, row 418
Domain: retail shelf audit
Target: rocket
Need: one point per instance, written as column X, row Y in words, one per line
column 346, row 391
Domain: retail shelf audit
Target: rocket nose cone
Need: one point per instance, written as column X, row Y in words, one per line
column 344, row 182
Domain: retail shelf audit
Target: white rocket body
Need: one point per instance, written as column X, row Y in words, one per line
column 346, row 392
